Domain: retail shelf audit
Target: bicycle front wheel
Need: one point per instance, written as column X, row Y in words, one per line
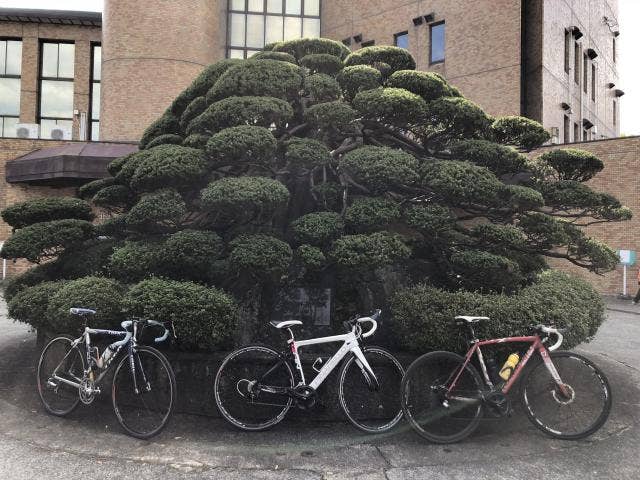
column 371, row 404
column 242, row 388
column 580, row 410
column 143, row 394
column 60, row 371
column 436, row 410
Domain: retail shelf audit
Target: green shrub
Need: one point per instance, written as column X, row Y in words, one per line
column 235, row 111
column 573, row 164
column 30, row 304
column 493, row 272
column 322, row 63
column 358, row 79
column 91, row 258
column 33, row 276
column 499, row 159
column 520, row 131
column 379, row 168
column 369, row 251
column 396, row 58
column 368, row 214
column 180, row 167
column 430, row 86
column 195, row 108
column 190, row 254
column 238, row 195
column 521, row 198
column 88, row 190
column 259, row 255
column 306, row 153
column 197, row 140
column 423, row 315
column 114, row 196
column 395, row 106
column 322, row 88
column 134, row 261
column 318, row 228
column 129, row 165
column 166, row 139
column 98, row 293
column 243, row 144
column 38, row 210
column 46, row 239
column 456, row 118
column 280, row 56
column 309, row 257
column 166, row 124
column 203, row 317
column 163, row 206
column 429, row 219
column 269, row 78
column 117, row 164
column 302, row 47
column 330, row 115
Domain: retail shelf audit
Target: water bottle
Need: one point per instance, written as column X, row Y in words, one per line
column 106, row 356
column 317, row 365
column 509, row 366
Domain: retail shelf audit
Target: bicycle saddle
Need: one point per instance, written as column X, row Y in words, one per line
column 285, row 324
column 82, row 311
column 470, row 319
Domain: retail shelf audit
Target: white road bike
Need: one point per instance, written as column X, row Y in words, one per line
column 256, row 386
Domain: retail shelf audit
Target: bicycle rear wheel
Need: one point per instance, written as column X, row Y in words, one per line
column 66, row 362
column 143, row 413
column 372, row 406
column 436, row 412
column 567, row 417
column 238, row 395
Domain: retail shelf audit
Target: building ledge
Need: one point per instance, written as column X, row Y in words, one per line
column 57, row 17
column 70, row 164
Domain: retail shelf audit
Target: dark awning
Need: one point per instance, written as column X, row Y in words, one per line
column 73, row 163
column 61, row 17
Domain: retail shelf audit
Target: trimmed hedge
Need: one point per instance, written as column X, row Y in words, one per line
column 174, row 165
column 322, row 63
column 13, row 285
column 500, row 159
column 280, row 56
column 243, row 144
column 318, row 228
column 134, row 261
column 168, row 123
column 330, row 115
column 369, row 251
column 300, row 48
column 240, row 195
column 395, row 106
column 30, row 304
column 423, row 315
column 307, row 153
column 88, row 190
column 322, row 88
column 27, row 213
column 166, row 139
column 368, row 214
column 190, row 254
column 520, row 131
column 396, row 58
column 358, row 79
column 573, row 164
column 430, row 86
column 162, row 206
column 259, row 255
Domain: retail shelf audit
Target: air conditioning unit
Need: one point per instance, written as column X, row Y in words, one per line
column 61, row 133
column 27, row 130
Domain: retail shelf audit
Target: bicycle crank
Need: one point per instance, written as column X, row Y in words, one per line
column 305, row 397
column 498, row 403
column 88, row 391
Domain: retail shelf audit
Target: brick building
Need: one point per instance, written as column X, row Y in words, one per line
column 94, row 81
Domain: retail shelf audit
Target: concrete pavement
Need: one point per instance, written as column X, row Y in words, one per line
column 89, row 443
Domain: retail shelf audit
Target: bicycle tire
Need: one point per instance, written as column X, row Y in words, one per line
column 250, row 411
column 581, row 388
column 371, row 410
column 424, row 406
column 75, row 371
column 131, row 407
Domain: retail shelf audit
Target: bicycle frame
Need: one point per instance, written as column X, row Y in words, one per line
column 536, row 345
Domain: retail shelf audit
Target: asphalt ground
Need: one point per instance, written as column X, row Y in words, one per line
column 89, row 443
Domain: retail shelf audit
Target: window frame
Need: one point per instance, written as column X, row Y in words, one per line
column 15, row 77
column 42, row 78
column 567, row 50
column 594, row 81
column 92, row 81
column 566, row 130
column 398, row 35
column 615, row 112
column 444, row 56
column 247, row 51
column 585, row 73
column 577, row 52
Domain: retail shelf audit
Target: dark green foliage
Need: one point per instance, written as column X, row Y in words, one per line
column 306, row 153
column 47, row 239
column 499, row 159
column 430, row 219
column 166, row 124
column 91, row 258
column 430, row 86
column 300, row 48
column 190, row 254
column 369, row 251
column 259, row 255
column 481, row 270
column 197, row 140
column 452, row 118
column 134, row 261
column 520, row 131
column 270, row 78
column 379, row 168
column 330, row 115
column 396, row 58
column 30, row 304
column 280, row 56
column 98, row 293
column 243, row 144
column 318, row 228
column 33, row 276
column 235, row 111
column 166, row 139
column 322, row 63
column 322, row 88
column 311, row 258
column 573, row 164
column 127, row 168
column 202, row 84
column 371, row 213
column 114, row 196
column 195, row 108
column 180, row 167
column 115, row 227
column 116, row 165
column 88, row 190
column 203, row 317
column 521, row 198
column 394, row 106
column 423, row 315
column 461, row 182
column 358, row 79
column 37, row 210
column 242, row 195
column 163, row 206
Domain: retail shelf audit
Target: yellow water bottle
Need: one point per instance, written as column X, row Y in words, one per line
column 509, row 366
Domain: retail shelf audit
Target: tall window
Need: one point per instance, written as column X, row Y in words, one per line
column 615, row 53
column 567, row 50
column 585, row 74
column 576, row 132
column 256, row 23
column 593, row 82
column 401, row 40
column 436, row 53
column 567, row 129
column 10, row 69
column 615, row 113
column 96, row 74
column 56, row 86
column 576, row 66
